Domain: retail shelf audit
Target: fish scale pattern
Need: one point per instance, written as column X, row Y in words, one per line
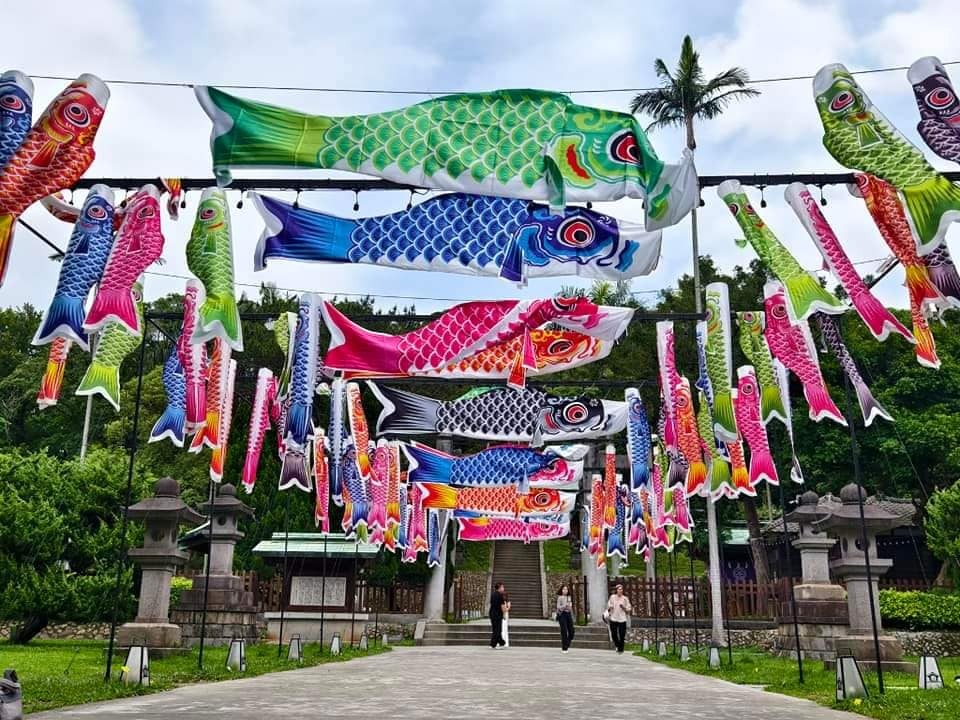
column 499, row 134
column 489, row 413
column 465, row 229
column 447, row 336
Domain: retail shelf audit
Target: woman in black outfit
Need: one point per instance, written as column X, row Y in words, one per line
column 496, row 616
column 565, row 617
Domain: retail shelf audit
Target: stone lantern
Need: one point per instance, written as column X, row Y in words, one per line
column 231, row 611
column 158, row 559
column 844, row 522
column 820, row 605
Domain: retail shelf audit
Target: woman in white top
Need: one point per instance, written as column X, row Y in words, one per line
column 506, row 620
column 618, row 610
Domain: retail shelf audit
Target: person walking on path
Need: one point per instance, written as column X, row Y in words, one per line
column 618, row 610
column 505, row 634
column 496, row 616
column 565, row 617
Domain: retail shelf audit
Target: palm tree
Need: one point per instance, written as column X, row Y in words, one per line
column 682, row 97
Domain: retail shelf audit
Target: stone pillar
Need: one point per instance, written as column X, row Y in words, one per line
column 158, row 559
column 230, row 607
column 597, row 589
column 845, row 522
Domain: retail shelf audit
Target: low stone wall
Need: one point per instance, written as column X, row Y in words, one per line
column 759, row 634
column 64, row 631
column 931, row 642
column 394, row 630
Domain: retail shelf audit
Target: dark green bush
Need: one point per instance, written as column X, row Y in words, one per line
column 919, row 610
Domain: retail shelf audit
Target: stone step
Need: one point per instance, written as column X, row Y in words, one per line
column 555, row 642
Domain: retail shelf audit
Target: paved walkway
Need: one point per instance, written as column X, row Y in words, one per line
column 447, row 682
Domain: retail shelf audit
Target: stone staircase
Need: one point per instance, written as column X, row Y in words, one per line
column 517, row 566
column 523, row 633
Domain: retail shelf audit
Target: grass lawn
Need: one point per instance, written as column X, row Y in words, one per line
column 902, row 701
column 55, row 673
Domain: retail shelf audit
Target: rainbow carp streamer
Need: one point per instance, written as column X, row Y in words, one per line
column 52, row 381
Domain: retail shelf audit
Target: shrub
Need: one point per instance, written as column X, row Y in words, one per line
column 177, row 586
column 919, row 610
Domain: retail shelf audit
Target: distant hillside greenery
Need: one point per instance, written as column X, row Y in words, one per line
column 910, row 458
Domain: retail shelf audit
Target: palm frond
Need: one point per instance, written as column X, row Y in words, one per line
column 665, row 121
column 732, row 77
column 654, row 102
column 715, row 106
column 689, row 71
column 662, row 71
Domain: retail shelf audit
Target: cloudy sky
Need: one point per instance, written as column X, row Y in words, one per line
column 432, row 46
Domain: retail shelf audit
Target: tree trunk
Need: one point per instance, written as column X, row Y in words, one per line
column 757, row 548
column 28, row 629
column 943, row 577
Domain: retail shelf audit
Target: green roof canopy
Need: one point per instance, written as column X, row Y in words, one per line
column 312, row 545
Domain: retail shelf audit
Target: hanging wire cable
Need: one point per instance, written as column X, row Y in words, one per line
column 386, row 91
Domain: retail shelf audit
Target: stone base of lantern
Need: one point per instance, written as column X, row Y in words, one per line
column 862, row 648
column 231, row 612
column 822, row 619
column 163, row 639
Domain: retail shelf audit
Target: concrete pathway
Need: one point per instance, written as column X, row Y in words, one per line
column 447, row 682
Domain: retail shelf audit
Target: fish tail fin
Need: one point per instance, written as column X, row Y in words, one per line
column 220, row 317
column 293, row 471
column 719, row 475
column 103, row 380
column 249, row 474
column 796, row 472
column 209, row 434
column 762, row 468
column 249, row 133
column 920, row 286
column 170, row 425
column 878, row 319
column 296, row 233
column 393, row 513
column 51, row 383
column 428, row 465
column 676, row 474
column 931, row 206
column 377, row 536
column 439, row 497
column 771, row 404
column 64, row 318
column 696, row 477
column 404, row 412
column 609, row 517
column 615, row 545
column 113, row 303
column 870, row 407
column 806, row 296
column 217, row 459
column 7, row 224
column 926, row 347
column 945, row 278
column 739, row 483
column 344, row 332
column 820, row 402
column 724, row 420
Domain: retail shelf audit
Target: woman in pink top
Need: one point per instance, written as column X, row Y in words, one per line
column 618, row 610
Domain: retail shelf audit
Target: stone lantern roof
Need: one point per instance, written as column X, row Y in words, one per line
column 165, row 503
column 846, row 514
column 227, row 503
column 902, row 509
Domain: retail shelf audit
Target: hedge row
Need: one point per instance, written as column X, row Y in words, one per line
column 920, row 610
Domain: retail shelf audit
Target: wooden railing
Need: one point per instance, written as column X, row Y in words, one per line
column 398, row 597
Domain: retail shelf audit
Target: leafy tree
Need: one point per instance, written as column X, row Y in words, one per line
column 943, row 528
column 60, row 537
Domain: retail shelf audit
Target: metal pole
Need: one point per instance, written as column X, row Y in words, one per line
column 696, row 612
column 323, row 591
column 206, row 582
column 855, row 452
column 726, row 613
column 793, row 597
column 124, row 522
column 356, row 572
column 283, row 586
column 673, row 604
column 376, row 616
column 656, row 603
